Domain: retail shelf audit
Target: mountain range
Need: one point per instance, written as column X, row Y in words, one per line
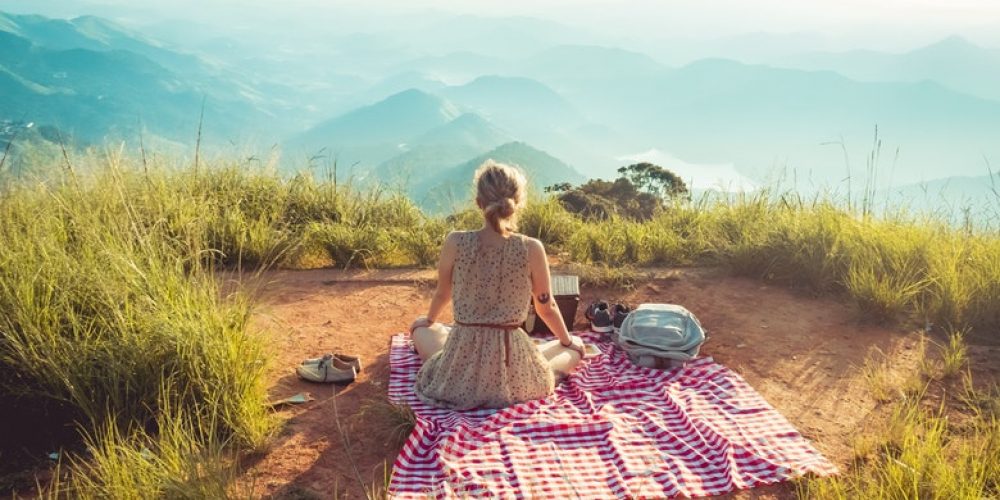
column 428, row 147
column 975, row 197
column 418, row 107
column 953, row 62
column 451, row 188
column 430, row 153
column 374, row 133
column 97, row 81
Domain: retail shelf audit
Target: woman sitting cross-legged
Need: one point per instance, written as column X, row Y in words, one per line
column 485, row 360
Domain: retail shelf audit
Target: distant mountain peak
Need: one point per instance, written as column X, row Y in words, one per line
column 523, row 155
column 441, row 191
column 514, row 102
column 508, row 87
column 506, row 82
column 716, row 62
column 418, row 98
column 602, row 54
column 471, row 118
column 488, row 78
column 468, row 129
column 516, row 145
column 541, row 167
column 413, row 94
column 386, row 124
column 951, row 44
column 411, row 102
column 957, row 40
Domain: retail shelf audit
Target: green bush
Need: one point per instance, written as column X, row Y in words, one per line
column 352, row 246
column 421, row 245
column 546, row 220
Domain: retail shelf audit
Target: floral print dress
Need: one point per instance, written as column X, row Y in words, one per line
column 486, row 361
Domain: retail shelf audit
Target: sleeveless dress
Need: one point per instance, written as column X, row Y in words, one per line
column 486, row 366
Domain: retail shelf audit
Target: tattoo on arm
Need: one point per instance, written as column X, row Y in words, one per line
column 543, row 298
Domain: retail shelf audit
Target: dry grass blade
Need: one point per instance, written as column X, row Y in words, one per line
column 395, row 421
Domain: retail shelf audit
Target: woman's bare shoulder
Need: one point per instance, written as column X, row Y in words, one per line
column 534, row 245
column 455, row 236
column 452, row 246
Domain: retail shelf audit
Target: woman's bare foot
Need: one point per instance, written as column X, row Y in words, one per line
column 428, row 340
column 562, row 360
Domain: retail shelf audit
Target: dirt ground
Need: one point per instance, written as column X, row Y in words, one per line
column 801, row 352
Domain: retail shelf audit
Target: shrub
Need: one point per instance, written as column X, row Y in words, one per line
column 546, row 220
column 642, row 190
column 351, row 246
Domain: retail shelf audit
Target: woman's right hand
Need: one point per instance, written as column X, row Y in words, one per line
column 421, row 322
column 576, row 344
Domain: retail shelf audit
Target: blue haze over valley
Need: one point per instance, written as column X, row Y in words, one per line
column 416, row 96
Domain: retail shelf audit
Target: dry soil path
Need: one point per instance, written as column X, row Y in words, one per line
column 801, row 352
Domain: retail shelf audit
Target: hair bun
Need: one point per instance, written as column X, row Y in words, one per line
column 500, row 192
column 503, row 208
column 506, row 208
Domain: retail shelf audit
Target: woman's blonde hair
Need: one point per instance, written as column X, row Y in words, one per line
column 500, row 192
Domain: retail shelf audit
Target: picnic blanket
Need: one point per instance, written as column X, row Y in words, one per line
column 612, row 429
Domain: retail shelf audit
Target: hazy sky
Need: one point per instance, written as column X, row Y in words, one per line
column 881, row 24
column 743, row 15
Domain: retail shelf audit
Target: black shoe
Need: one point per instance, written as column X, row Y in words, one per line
column 599, row 314
column 618, row 314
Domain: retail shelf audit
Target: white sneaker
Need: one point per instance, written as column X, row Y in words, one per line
column 352, row 360
column 328, row 370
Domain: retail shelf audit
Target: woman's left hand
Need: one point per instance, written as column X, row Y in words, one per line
column 576, row 344
column 421, row 322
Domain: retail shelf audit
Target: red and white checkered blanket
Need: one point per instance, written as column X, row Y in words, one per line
column 612, row 429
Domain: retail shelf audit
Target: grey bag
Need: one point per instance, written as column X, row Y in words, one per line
column 661, row 335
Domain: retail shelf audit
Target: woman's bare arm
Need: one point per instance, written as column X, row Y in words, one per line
column 446, row 265
column 541, row 292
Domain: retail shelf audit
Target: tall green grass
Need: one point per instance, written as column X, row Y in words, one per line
column 906, row 267
column 185, row 459
column 111, row 310
column 922, row 455
column 110, row 304
column 101, row 306
column 901, row 266
column 948, row 448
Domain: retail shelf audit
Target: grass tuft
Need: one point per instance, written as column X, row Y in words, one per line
column 184, row 458
column 954, row 354
column 605, row 276
column 396, row 421
column 922, row 456
column 877, row 374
